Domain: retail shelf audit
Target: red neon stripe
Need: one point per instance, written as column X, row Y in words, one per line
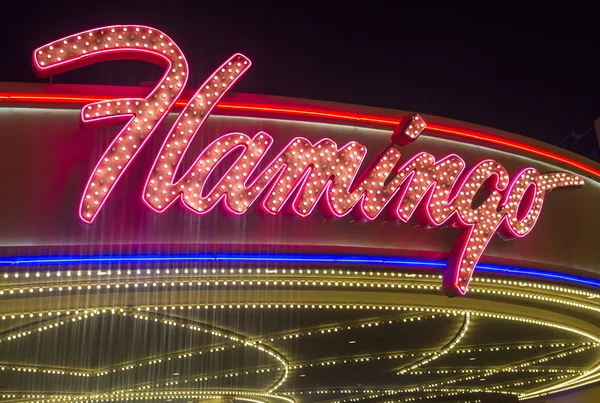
column 310, row 112
column 516, row 145
column 326, row 114
column 60, row 99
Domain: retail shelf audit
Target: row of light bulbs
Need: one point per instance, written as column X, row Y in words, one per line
column 304, row 365
column 561, row 355
column 473, row 370
column 236, row 339
column 106, row 274
column 405, row 308
column 158, row 395
column 216, row 283
column 486, row 372
column 424, row 287
column 445, row 350
column 345, row 327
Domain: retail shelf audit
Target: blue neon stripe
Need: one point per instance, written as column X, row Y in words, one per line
column 288, row 258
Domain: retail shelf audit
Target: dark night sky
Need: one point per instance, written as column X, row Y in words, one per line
column 531, row 71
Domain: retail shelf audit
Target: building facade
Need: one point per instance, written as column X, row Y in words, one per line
column 165, row 244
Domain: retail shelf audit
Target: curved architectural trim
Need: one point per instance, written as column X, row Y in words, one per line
column 395, row 261
column 322, row 114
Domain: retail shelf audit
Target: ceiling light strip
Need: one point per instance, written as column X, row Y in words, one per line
column 405, row 262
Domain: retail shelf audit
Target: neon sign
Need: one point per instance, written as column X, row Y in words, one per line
column 482, row 200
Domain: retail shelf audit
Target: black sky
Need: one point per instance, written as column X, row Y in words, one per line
column 529, row 70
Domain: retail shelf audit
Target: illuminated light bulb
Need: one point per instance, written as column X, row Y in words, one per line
column 301, row 166
column 88, row 211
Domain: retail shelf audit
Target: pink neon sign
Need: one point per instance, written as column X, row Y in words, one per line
column 434, row 192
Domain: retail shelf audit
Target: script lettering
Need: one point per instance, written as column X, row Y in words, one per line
column 143, row 115
column 482, row 200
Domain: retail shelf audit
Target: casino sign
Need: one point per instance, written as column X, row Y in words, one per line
column 341, row 303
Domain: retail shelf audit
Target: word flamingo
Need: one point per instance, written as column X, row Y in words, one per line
column 439, row 192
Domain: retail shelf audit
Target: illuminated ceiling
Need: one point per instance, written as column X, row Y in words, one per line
column 272, row 334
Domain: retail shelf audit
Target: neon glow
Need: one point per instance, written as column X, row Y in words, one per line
column 143, row 115
column 324, row 114
column 317, row 172
column 281, row 258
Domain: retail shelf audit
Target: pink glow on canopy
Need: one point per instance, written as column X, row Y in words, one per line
column 322, row 171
